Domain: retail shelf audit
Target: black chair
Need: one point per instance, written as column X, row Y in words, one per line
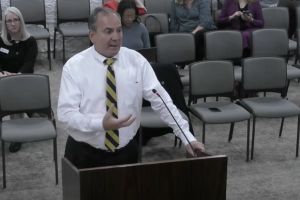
column 168, row 75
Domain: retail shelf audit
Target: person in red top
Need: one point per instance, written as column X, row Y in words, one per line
column 113, row 4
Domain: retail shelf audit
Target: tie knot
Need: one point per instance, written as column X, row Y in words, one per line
column 109, row 61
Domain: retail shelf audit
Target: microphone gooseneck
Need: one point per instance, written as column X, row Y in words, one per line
column 157, row 94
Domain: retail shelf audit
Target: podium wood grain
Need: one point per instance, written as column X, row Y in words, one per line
column 196, row 178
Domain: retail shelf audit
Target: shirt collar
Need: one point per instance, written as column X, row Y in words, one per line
column 100, row 57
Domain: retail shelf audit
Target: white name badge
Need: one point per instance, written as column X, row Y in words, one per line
column 3, row 50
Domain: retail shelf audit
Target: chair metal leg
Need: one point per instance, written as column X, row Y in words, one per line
column 140, row 145
column 248, row 138
column 175, row 141
column 3, row 164
column 231, row 131
column 281, row 127
column 203, row 133
column 253, row 137
column 49, row 53
column 297, row 143
column 64, row 56
column 55, row 159
column 286, row 88
column 54, row 43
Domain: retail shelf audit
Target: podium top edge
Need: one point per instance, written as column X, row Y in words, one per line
column 206, row 157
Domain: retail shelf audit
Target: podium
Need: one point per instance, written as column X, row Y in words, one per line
column 202, row 178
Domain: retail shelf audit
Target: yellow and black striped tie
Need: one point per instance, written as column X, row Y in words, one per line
column 111, row 136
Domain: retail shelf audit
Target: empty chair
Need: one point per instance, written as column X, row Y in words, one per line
column 158, row 6
column 267, row 74
column 175, row 48
column 215, row 78
column 273, row 42
column 29, row 93
column 225, row 45
column 76, row 12
column 291, row 5
column 278, row 17
column 34, row 15
column 156, row 23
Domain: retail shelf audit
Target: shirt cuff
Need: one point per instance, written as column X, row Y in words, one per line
column 96, row 124
column 189, row 136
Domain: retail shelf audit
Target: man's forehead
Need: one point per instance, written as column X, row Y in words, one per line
column 110, row 18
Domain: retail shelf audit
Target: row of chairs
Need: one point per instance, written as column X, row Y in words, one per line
column 34, row 15
column 260, row 74
column 223, row 45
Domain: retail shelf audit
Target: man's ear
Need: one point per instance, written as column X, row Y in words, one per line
column 91, row 36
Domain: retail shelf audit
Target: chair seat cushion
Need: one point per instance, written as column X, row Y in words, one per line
column 270, row 107
column 27, row 130
column 219, row 112
column 74, row 29
column 151, row 119
column 38, row 32
column 292, row 72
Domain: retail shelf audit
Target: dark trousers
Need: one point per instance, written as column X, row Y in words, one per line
column 83, row 155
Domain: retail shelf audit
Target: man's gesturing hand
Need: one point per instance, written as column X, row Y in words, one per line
column 112, row 123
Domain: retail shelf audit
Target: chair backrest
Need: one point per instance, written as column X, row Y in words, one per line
column 264, row 74
column 33, row 11
column 158, row 6
column 211, row 78
column 24, row 92
column 156, row 22
column 276, row 17
column 72, row 11
column 288, row 3
column 175, row 48
column 149, row 54
column 223, row 45
column 269, row 42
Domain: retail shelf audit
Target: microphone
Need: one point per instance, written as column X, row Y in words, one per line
column 155, row 92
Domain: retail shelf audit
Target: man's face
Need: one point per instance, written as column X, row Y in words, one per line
column 12, row 22
column 108, row 36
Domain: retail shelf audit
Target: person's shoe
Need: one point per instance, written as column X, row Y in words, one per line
column 15, row 146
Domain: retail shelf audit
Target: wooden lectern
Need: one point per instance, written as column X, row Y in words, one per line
column 202, row 178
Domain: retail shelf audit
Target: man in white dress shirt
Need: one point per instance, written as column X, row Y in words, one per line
column 82, row 98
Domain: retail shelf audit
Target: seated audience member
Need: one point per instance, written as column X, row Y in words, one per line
column 192, row 16
column 243, row 15
column 113, row 4
column 18, row 50
column 135, row 34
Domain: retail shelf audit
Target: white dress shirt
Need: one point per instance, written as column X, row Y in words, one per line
column 81, row 103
